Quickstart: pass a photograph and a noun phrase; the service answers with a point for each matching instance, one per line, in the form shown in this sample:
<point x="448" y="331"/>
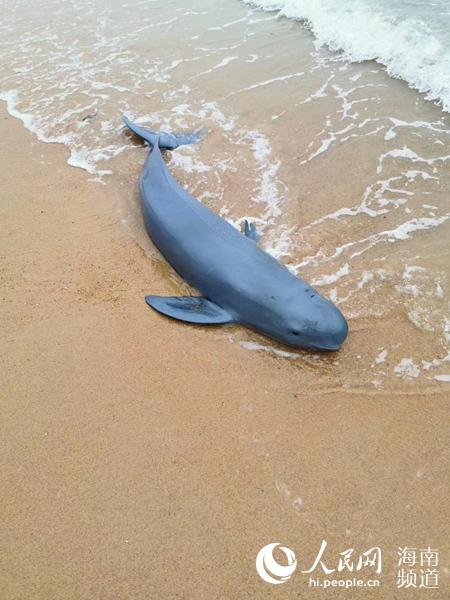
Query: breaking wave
<point x="411" y="38"/>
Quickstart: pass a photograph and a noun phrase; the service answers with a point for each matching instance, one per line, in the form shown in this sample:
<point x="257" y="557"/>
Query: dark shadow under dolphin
<point x="239" y="282"/>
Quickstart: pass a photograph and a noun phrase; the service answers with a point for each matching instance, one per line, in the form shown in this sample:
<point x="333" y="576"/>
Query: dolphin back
<point x="166" y="141"/>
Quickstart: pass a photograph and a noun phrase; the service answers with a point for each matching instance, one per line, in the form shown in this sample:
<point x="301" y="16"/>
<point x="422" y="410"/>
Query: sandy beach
<point x="142" y="458"/>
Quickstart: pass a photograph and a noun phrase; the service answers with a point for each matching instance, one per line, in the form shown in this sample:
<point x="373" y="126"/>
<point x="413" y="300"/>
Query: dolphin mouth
<point x="330" y="345"/>
<point x="326" y="347"/>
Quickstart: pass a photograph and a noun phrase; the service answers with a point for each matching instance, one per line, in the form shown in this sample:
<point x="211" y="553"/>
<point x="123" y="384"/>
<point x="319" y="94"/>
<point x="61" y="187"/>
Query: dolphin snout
<point x="334" y="330"/>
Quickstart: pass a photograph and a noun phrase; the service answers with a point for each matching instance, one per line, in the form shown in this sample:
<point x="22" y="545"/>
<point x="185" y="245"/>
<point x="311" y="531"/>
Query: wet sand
<point x="144" y="459"/>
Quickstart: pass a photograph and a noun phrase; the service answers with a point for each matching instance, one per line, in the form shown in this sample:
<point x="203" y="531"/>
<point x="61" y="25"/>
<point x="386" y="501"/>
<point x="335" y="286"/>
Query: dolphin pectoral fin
<point x="192" y="309"/>
<point x="250" y="231"/>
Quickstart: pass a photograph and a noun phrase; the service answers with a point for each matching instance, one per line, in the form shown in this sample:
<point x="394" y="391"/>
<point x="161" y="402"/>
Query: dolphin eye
<point x="295" y="332"/>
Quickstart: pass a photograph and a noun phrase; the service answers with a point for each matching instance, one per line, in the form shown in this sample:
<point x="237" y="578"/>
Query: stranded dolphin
<point x="239" y="282"/>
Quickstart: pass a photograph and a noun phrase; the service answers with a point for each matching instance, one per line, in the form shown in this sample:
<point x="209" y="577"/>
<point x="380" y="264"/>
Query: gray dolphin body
<point x="239" y="282"/>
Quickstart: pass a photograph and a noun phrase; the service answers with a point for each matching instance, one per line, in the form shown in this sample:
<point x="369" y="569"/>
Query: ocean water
<point x="343" y="168"/>
<point x="410" y="37"/>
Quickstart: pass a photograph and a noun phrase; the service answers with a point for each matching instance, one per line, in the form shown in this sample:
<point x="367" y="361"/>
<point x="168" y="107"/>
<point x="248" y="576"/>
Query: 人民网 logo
<point x="269" y="569"/>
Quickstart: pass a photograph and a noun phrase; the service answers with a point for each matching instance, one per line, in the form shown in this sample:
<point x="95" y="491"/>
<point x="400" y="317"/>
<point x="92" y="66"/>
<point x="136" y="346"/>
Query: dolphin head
<point x="321" y="327"/>
<point x="303" y="318"/>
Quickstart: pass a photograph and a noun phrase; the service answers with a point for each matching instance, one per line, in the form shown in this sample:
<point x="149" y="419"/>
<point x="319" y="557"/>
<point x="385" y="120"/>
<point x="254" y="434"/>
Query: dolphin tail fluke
<point x="168" y="141"/>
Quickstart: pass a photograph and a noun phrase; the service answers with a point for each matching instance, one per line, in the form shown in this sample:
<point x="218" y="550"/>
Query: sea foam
<point x="411" y="40"/>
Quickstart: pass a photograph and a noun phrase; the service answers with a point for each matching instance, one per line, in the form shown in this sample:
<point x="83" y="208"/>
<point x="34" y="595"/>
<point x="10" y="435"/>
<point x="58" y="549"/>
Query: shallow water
<point x="344" y="170"/>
